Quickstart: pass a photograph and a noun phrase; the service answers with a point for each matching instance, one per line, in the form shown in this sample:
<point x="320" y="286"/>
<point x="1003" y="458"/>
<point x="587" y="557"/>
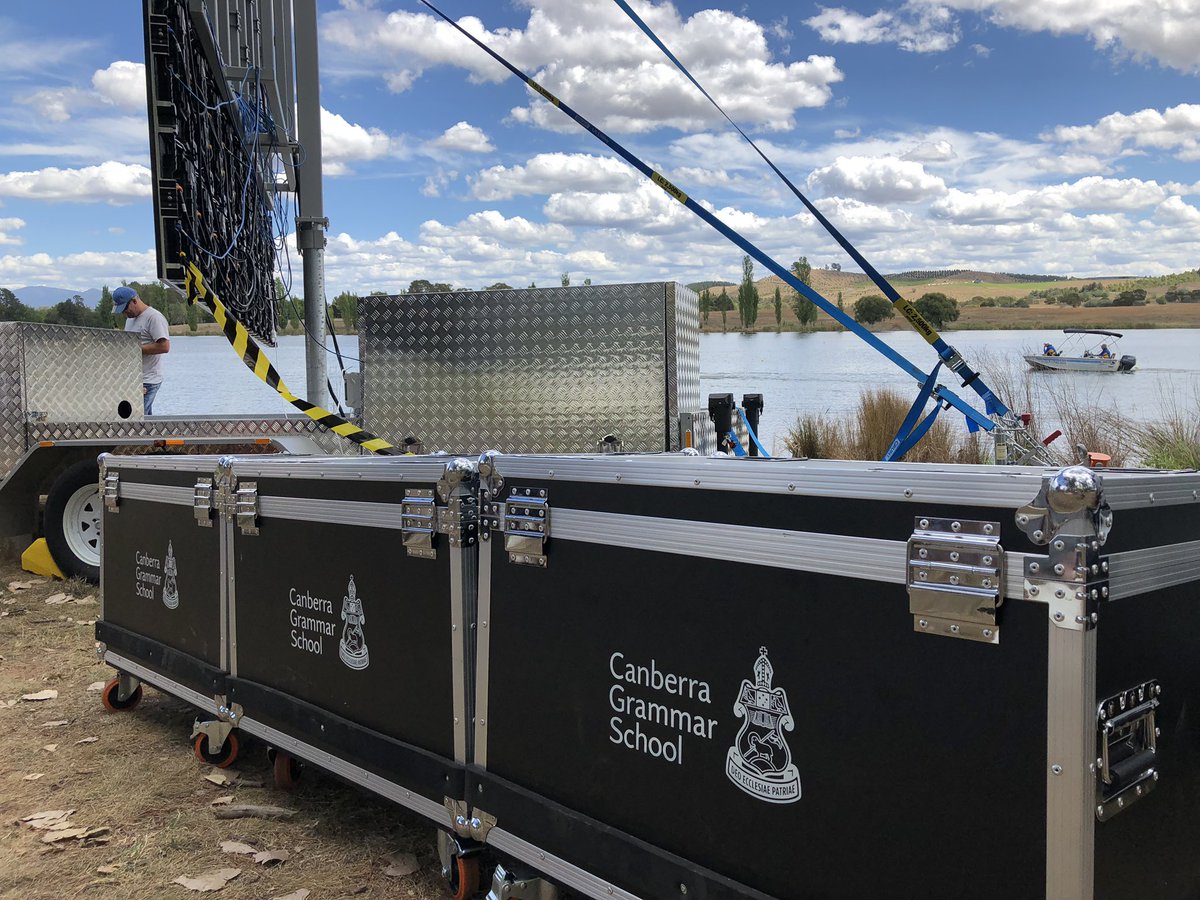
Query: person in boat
<point x="1105" y="353"/>
<point x="1048" y="350"/>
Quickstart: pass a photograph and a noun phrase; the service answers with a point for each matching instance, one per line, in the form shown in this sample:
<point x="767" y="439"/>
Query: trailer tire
<point x="286" y="770"/>
<point x="464" y="880"/>
<point x="72" y="520"/>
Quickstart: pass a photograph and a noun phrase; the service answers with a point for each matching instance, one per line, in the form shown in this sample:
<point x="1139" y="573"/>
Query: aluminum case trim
<point x="558" y="869"/>
<point x="482" y="652"/>
<point x="1142" y="571"/>
<point x="416" y="802"/>
<point x="195" y="698"/>
<point x="333" y="512"/>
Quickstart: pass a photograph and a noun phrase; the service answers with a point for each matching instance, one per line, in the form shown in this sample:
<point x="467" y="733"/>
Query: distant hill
<point x="40" y="295"/>
<point x="699" y="286"/>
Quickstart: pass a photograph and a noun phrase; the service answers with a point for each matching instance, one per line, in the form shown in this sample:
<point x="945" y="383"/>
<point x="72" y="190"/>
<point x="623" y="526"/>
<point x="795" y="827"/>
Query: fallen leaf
<point x="65" y="834"/>
<point x="216" y="776"/>
<point x="20" y="585"/>
<point x="50" y="748"/>
<point x="55" y="599"/>
<point x="271" y="857"/>
<point x="401" y="864"/>
<point x="253" y="812"/>
<point x="95" y="832"/>
<point x="8" y="704"/>
<point x="96" y="686"/>
<point x="209" y="881"/>
<point x="301" y="894"/>
<point x="48" y="818"/>
<point x="87" y="740"/>
<point x="34" y="776"/>
<point x="41" y="695"/>
<point x="54" y="724"/>
<point x="88" y="599"/>
<point x="222" y="801"/>
<point x="108" y="870"/>
<point x="243" y="781"/>
<point x="236" y="847"/>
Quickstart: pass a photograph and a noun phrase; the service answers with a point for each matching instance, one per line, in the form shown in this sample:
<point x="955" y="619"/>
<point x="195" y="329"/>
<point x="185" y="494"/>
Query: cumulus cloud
<point x="1087" y="194"/>
<point x="7" y="227"/>
<point x="463" y="138"/>
<point x="1164" y="30"/>
<point x="1175" y="129"/>
<point x="550" y="173"/>
<point x="343" y="142"/>
<point x="622" y="82"/>
<point x="438" y="182"/>
<point x="110" y="182"/>
<point x="876" y="180"/>
<point x="122" y="84"/>
<point x="919" y="27"/>
<point x="78" y="268"/>
<point x="490" y="225"/>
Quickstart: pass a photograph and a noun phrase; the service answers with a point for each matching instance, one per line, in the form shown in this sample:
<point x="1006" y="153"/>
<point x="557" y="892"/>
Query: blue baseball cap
<point x="121" y="297"/>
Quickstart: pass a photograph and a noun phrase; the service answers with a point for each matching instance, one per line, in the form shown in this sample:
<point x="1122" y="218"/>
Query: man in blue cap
<point x="151" y="327"/>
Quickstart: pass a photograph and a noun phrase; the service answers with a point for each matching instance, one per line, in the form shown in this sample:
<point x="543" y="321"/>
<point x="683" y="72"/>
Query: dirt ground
<point x="132" y="778"/>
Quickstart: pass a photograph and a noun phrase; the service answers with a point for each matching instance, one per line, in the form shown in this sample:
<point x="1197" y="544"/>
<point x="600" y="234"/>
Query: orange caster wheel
<point x="287" y="770"/>
<point x="224" y="758"/>
<point x="110" y="697"/>
<point x="463" y="880"/>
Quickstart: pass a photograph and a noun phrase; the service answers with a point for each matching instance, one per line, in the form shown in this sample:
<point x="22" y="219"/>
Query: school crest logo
<point x="170" y="593"/>
<point x="353" y="647"/>
<point x="760" y="762"/>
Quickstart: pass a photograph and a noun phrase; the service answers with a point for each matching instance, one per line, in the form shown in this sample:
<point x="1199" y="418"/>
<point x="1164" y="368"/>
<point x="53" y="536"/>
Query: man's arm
<point x="162" y="345"/>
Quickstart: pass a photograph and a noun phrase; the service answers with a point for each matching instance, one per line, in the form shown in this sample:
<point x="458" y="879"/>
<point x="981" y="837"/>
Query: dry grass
<point x="1173" y="443"/>
<point x="139" y="778"/>
<point x="869" y="433"/>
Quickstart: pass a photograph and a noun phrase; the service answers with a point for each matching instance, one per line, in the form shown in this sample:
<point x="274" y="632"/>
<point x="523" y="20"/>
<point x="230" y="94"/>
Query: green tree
<point x="71" y="312"/>
<point x="499" y="286"/>
<point x="1135" y="297"/>
<point x="778" y="308"/>
<point x="938" y="309"/>
<point x="1070" y="298"/>
<point x="566" y="279"/>
<point x="13" y="310"/>
<point x="805" y="309"/>
<point x="587" y="281"/>
<point x="193" y="317"/>
<point x="345" y="307"/>
<point x="724" y="305"/>
<point x="747" y="295"/>
<point x="104" y="313"/>
<point x="421" y="286"/>
<point x="706" y="304"/>
<point x="871" y="309"/>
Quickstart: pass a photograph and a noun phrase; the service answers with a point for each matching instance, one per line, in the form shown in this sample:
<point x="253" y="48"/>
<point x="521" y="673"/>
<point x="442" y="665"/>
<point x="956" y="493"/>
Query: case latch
<point x="1127" y="748"/>
<point x="459" y="520"/>
<point x="955" y="576"/>
<point x="525" y="520"/>
<point x="245" y="507"/>
<point x="418" y="523"/>
<point x="112" y="489"/>
<point x="202" y="502"/>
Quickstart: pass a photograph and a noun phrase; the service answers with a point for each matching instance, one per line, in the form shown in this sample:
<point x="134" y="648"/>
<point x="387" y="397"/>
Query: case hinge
<point x="112" y="490"/>
<point x="459" y="520"/>
<point x="418" y="523"/>
<point x="525" y="520"/>
<point x="954" y="578"/>
<point x="202" y="502"/>
<point x="245" y="507"/>
<point x="1127" y="748"/>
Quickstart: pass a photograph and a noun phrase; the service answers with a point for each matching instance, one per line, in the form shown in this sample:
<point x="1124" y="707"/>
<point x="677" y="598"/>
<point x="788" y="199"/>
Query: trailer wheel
<point x="286" y="769"/>
<point x="222" y="759"/>
<point x="72" y="520"/>
<point x="463" y="880"/>
<point x="111" y="699"/>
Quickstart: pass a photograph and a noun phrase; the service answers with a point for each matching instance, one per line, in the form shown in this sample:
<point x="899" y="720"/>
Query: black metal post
<point x="720" y="411"/>
<point x="753" y="405"/>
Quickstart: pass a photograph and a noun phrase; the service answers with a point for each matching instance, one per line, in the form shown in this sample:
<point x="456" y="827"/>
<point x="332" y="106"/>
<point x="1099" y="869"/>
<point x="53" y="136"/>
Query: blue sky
<point x="1011" y="135"/>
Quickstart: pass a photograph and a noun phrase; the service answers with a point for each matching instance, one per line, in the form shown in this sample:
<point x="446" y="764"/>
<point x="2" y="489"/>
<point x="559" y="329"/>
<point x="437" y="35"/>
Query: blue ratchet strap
<point x="738" y="449"/>
<point x="725" y="231"/>
<point x="754" y="437"/>
<point x="910" y="431"/>
<point x="919" y="322"/>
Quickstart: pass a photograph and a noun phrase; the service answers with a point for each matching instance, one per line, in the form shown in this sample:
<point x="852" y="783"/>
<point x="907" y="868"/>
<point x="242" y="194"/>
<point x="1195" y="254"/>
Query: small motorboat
<point x="1083" y="350"/>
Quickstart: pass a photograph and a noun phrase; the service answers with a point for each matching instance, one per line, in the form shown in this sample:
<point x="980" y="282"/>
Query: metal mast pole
<point x="311" y="222"/>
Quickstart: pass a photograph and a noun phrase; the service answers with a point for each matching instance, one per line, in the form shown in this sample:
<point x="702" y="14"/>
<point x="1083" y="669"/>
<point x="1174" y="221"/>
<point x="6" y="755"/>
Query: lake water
<point x="823" y="372"/>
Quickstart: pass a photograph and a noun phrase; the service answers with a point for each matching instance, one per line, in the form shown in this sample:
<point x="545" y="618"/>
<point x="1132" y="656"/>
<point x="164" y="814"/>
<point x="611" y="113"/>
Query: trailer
<point x="658" y="675"/>
<point x="72" y="393"/>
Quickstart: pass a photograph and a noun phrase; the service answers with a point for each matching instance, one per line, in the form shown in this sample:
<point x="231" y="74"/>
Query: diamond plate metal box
<point x="542" y="370"/>
<point x="60" y="373"/>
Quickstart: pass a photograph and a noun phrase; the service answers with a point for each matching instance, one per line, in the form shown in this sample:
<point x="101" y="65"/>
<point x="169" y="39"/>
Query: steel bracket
<point x="525" y="520"/>
<point x="216" y="730"/>
<point x="1127" y="737"/>
<point x="459" y="816"/>
<point x="419" y="523"/>
<point x="245" y="507"/>
<point x="480" y="824"/>
<point x="508" y="885"/>
<point x="954" y="578"/>
<point x="202" y="502"/>
<point x="459" y="520"/>
<point x="111" y="489"/>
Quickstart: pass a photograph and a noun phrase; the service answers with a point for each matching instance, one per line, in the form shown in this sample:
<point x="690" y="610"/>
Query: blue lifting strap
<point x="911" y="430"/>
<point x="754" y="437"/>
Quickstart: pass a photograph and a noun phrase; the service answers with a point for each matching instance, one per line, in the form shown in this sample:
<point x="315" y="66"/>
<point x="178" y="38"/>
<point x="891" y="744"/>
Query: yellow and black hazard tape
<point x="256" y="361"/>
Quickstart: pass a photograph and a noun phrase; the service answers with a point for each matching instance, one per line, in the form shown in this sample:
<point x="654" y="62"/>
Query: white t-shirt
<point x="151" y="326"/>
